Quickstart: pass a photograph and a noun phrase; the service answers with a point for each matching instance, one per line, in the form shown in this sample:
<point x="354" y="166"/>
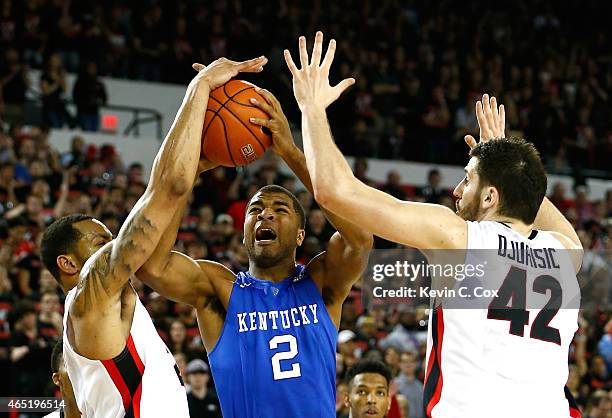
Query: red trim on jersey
<point x="126" y="373"/>
<point x="438" y="347"/>
<point x="117" y="379"/>
<point x="132" y="348"/>
<point x="575" y="413"/>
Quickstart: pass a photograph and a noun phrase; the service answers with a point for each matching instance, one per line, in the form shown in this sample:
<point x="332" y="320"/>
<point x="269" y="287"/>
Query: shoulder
<point x="575" y="249"/>
<point x="216" y="270"/>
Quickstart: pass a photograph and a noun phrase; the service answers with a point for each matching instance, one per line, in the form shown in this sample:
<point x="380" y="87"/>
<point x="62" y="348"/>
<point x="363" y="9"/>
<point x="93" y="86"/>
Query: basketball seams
<point x="229" y="150"/>
<point x="239" y="120"/>
<point x="231" y="97"/>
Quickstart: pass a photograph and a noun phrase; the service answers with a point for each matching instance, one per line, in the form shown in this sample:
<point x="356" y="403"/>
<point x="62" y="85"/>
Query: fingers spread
<point x="344" y="84"/>
<point x="502" y="119"/>
<point x="290" y="62"/>
<point x="317" y="50"/>
<point x="303" y="52"/>
<point x="470" y="141"/>
<point x="329" y="55"/>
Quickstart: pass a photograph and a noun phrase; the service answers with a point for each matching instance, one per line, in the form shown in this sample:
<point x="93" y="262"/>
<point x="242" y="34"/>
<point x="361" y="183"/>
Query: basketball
<point x="228" y="138"/>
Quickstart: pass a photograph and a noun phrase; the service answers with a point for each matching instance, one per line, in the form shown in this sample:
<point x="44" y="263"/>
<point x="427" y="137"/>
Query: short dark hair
<point x="60" y="238"/>
<point x="56" y="355"/>
<point x="297" y="206"/>
<point x="513" y="166"/>
<point x="369" y="366"/>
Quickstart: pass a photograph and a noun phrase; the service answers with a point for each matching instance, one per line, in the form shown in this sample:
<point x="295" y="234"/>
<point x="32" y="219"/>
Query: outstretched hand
<point x="491" y="120"/>
<point x="222" y="70"/>
<point x="311" y="82"/>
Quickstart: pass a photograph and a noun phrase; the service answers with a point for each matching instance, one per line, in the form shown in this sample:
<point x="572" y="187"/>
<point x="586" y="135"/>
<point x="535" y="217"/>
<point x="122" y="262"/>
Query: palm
<point x="491" y="121"/>
<point x="311" y="82"/>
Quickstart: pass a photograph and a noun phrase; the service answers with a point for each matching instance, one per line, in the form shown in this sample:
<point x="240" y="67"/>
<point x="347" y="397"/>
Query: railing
<point x="151" y="115"/>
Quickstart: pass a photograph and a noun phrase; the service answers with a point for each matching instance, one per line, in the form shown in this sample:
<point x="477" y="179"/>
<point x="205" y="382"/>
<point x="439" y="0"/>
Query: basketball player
<point x="481" y="362"/>
<point x="62" y="381"/>
<point x="368" y="390"/>
<point x="117" y="363"/>
<point x="271" y="331"/>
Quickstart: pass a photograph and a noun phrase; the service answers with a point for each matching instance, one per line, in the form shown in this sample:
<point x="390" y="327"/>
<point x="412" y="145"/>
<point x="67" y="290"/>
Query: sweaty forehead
<point x="269" y="198"/>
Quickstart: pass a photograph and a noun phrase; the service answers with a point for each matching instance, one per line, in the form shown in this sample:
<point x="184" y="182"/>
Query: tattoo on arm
<point x="133" y="246"/>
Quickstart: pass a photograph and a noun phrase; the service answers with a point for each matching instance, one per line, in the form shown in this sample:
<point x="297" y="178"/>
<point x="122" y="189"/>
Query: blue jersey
<point x="276" y="357"/>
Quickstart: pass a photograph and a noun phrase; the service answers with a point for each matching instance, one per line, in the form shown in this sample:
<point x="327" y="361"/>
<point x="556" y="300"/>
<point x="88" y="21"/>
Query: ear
<point x="490" y="197"/>
<point x="56" y="379"/>
<point x="300" y="237"/>
<point x="347" y="400"/>
<point x="67" y="265"/>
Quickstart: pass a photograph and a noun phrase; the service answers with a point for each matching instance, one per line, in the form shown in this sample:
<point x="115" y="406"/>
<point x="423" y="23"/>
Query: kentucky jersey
<point x="276" y="356"/>
<point x="505" y="355"/>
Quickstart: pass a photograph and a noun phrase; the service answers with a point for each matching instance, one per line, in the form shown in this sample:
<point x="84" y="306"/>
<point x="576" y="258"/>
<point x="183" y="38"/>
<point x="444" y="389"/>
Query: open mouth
<point x="264" y="234"/>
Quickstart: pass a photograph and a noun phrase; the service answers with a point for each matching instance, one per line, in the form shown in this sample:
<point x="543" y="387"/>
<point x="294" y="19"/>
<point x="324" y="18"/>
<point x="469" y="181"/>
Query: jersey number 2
<point x="285" y="355"/>
<point x="513" y="290"/>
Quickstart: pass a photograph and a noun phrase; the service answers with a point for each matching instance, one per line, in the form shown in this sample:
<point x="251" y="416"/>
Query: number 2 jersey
<point x="505" y="355"/>
<point x="276" y="356"/>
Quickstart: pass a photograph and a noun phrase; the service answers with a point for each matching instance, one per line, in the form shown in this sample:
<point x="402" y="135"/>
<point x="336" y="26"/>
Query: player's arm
<point x="348" y="249"/>
<point x="492" y="123"/>
<point x="174" y="169"/>
<point x="177" y="276"/>
<point x="419" y="225"/>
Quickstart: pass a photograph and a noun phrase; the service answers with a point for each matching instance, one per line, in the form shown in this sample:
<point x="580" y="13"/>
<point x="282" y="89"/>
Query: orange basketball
<point x="228" y="137"/>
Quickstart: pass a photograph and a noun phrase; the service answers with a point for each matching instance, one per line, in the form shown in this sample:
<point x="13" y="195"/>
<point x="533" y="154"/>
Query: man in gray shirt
<point x="408" y="384"/>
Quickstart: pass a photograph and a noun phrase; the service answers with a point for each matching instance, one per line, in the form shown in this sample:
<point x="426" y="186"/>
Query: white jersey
<point x="142" y="381"/>
<point x="55" y="414"/>
<point x="490" y="361"/>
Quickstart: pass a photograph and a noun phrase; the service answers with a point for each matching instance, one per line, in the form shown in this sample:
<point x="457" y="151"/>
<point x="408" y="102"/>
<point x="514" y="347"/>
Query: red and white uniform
<point x="513" y="363"/>
<point x="142" y="381"/>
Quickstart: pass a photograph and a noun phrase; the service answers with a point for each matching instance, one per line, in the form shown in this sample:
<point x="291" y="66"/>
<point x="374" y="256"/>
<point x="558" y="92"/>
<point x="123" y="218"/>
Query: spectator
<point x="29" y="353"/>
<point x="201" y="398"/>
<point x="89" y="95"/>
<point x="408" y="384"/>
<point x="13" y="86"/>
<point x="50" y="319"/>
<point x="433" y="192"/>
<point x="53" y="88"/>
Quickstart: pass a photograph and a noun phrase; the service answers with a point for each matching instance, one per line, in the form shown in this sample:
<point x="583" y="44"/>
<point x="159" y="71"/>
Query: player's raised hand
<point x="311" y="82"/>
<point x="491" y="120"/>
<point x="222" y="70"/>
<point x="282" y="140"/>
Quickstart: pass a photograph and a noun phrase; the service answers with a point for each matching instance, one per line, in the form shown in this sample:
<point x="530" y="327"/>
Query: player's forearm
<point x="176" y="162"/>
<point x="328" y="169"/>
<point x="549" y="218"/>
<point x="354" y="237"/>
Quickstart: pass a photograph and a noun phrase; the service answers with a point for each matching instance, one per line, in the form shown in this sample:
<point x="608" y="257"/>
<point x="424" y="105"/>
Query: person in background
<point x="89" y="94"/>
<point x="60" y="378"/>
<point x="408" y="385"/>
<point x="368" y="395"/>
<point x="202" y="400"/>
<point x="53" y="88"/>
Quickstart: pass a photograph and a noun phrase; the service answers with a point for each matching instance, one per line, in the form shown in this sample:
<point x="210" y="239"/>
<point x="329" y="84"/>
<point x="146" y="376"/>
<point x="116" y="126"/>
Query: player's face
<point x="94" y="235"/>
<point x="369" y="396"/>
<point x="271" y="229"/>
<point x="468" y="193"/>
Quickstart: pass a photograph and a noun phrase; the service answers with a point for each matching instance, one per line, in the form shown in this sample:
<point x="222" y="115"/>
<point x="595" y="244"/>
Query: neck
<point x="519" y="226"/>
<point x="275" y="273"/>
<point x="199" y="392"/>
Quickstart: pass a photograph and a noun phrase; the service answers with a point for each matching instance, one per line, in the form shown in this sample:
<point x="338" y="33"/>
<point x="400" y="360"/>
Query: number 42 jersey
<point x="275" y="357"/>
<point x="502" y="349"/>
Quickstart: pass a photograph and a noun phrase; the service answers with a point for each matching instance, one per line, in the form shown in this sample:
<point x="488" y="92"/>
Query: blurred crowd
<point x="419" y="68"/>
<point x="37" y="185"/>
<point x="419" y="65"/>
